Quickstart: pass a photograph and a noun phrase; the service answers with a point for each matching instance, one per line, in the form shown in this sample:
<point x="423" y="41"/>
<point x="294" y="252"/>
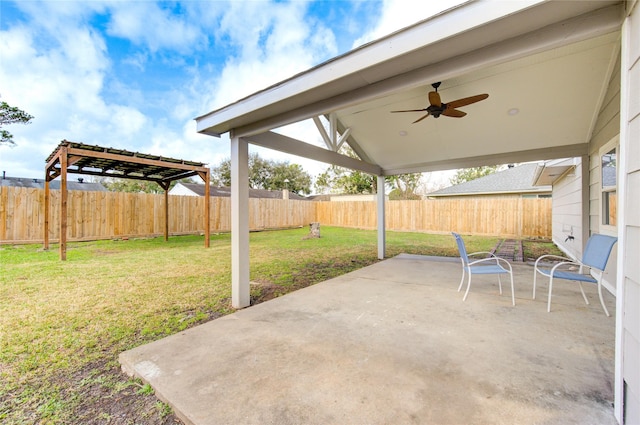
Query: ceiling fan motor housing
<point x="435" y="111"/>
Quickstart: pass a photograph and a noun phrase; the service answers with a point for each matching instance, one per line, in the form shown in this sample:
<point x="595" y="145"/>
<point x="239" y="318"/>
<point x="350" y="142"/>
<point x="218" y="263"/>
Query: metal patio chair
<point x="596" y="254"/>
<point x="487" y="265"/>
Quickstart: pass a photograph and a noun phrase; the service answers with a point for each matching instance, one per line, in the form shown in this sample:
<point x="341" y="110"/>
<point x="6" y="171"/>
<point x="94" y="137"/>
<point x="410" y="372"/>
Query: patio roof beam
<point x="552" y="152"/>
<point x="293" y="146"/>
<point x="352" y="142"/>
<point x="322" y="131"/>
<point x="339" y="134"/>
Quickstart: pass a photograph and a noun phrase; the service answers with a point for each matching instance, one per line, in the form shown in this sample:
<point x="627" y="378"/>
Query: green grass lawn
<point x="63" y="324"/>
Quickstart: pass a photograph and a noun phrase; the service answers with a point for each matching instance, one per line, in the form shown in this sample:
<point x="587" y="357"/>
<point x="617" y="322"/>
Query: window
<point x="609" y="180"/>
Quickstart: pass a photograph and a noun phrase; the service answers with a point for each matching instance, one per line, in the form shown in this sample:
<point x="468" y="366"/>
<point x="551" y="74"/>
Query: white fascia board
<point x="297" y="147"/>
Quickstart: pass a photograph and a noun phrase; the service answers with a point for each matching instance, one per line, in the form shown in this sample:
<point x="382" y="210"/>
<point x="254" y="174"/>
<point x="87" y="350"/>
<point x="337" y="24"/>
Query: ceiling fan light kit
<point x="437" y="107"/>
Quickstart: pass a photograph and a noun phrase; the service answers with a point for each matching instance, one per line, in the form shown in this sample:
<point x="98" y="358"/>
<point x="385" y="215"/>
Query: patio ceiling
<point x="545" y="65"/>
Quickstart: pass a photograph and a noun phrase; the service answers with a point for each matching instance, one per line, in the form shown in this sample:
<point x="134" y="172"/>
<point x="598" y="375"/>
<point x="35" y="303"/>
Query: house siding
<point x="567" y="213"/>
<point x="606" y="128"/>
<point x="630" y="232"/>
<point x="568" y="199"/>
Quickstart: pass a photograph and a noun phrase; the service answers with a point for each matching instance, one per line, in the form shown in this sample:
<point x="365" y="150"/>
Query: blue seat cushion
<point x="491" y="269"/>
<point x="562" y="274"/>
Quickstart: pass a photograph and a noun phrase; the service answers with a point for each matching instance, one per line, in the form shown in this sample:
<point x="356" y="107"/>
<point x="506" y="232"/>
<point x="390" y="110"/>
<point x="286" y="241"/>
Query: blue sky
<point x="134" y="74"/>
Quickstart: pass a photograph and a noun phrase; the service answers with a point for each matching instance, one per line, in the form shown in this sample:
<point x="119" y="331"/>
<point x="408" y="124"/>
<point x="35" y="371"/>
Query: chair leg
<point x="549" y="300"/>
<point x="601" y="300"/>
<point x="535" y="275"/>
<point x="468" y="287"/>
<point x="513" y="295"/>
<point x="461" y="280"/>
<point x="500" y="284"/>
<point x="583" y="295"/>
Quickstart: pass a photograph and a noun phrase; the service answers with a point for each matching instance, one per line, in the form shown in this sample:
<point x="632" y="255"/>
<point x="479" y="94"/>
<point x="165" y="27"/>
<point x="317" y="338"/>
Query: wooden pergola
<point x="79" y="158"/>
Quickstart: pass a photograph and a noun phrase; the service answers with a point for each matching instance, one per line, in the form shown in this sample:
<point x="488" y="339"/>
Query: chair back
<point x="461" y="248"/>
<point x="596" y="253"/>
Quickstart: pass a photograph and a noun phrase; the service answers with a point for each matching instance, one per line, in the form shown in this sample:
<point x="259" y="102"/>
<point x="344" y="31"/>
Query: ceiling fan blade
<point x="411" y="110"/>
<point x="453" y="113"/>
<point x="434" y="98"/>
<point x="421" y="118"/>
<point x="466" y="101"/>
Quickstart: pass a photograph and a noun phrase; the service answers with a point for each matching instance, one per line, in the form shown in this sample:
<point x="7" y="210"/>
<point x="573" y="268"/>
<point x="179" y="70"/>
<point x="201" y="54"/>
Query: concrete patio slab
<point x="394" y="343"/>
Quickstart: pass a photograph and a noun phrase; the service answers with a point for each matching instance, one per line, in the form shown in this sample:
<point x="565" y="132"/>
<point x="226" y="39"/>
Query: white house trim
<point x="627" y="376"/>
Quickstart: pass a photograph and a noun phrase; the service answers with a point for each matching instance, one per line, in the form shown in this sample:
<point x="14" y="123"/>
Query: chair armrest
<point x="557" y="257"/>
<point x="481" y="252"/>
<point x="495" y="259"/>
<point x="568" y="263"/>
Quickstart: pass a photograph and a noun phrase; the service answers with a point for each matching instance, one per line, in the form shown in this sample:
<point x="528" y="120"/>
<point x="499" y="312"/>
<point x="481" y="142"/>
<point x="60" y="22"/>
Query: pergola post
<point x="64" y="158"/>
<point x="207" y="208"/>
<point x="47" y="194"/>
<point x="165" y="186"/>
<point x="382" y="243"/>
<point x="239" y="222"/>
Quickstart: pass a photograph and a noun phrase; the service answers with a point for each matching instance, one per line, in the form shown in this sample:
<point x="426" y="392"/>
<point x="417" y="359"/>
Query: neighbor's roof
<point x="518" y="179"/>
<point x="55" y="185"/>
<point x="225" y="191"/>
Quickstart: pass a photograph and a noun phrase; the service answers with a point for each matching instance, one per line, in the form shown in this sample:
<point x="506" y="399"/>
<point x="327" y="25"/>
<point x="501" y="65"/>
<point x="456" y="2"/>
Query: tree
<point x="266" y="174"/>
<point x="11" y="115"/>
<point x="337" y="179"/>
<point x="343" y="180"/>
<point x="404" y="186"/>
<point x="468" y="174"/>
<point x="291" y="177"/>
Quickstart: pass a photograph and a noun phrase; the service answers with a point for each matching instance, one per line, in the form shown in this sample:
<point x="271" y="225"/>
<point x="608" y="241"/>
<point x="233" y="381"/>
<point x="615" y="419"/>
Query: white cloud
<point x="154" y="25"/>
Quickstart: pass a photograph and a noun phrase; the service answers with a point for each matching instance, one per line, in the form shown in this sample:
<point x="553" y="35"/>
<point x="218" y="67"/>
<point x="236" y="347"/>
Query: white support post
<point x="239" y="222"/>
<point x="382" y="243"/>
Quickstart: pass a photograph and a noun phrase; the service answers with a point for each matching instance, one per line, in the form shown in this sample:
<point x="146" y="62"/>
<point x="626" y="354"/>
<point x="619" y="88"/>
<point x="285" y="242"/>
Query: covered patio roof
<point x="545" y="66"/>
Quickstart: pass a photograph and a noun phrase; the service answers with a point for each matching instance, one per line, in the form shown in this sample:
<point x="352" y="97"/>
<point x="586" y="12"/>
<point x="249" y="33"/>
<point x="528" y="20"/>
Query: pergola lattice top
<point x="111" y="162"/>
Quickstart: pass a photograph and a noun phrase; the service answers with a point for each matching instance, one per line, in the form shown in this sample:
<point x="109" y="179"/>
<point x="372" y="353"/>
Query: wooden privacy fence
<point x="512" y="217"/>
<point x="102" y="215"/>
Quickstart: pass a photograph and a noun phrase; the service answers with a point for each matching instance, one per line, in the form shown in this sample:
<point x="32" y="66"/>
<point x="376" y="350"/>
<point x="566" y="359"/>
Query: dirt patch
<point x="104" y="395"/>
<point x="307" y="274"/>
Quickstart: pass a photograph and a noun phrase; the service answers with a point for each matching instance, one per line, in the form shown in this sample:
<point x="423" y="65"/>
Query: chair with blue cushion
<point x="487" y="265"/>
<point x="596" y="255"/>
